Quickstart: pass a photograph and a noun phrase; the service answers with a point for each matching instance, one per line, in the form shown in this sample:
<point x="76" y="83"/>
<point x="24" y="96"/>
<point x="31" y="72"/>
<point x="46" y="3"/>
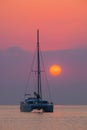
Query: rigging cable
<point x="29" y="75"/>
<point x="46" y="77"/>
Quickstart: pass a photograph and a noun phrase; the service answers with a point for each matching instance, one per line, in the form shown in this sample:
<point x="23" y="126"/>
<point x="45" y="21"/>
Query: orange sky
<point x="62" y="24"/>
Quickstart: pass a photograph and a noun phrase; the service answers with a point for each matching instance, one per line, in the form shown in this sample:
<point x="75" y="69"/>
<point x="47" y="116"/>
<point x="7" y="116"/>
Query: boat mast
<point x="38" y="67"/>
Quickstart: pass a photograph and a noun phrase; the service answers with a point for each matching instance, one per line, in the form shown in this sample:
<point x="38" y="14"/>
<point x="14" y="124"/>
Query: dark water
<point x="63" y="118"/>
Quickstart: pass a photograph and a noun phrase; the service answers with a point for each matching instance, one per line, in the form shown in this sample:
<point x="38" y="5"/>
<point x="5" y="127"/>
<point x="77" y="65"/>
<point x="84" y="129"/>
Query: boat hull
<point x="26" y="107"/>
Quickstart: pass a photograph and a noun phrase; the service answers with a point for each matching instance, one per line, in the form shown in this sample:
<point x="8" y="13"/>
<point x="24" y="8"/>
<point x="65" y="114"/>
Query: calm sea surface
<point x="63" y="118"/>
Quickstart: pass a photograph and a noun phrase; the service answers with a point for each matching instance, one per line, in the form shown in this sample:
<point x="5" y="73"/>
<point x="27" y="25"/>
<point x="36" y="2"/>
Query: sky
<point x="69" y="88"/>
<point x="63" y="41"/>
<point x="62" y="24"/>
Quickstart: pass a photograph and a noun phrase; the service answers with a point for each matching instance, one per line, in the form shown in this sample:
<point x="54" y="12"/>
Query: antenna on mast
<point x="38" y="36"/>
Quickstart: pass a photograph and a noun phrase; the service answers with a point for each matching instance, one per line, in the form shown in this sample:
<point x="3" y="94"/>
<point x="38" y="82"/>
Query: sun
<point x="55" y="70"/>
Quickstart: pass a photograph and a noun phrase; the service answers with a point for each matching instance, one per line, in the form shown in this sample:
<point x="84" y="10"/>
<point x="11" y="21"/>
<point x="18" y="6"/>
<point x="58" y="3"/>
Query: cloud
<point x="69" y="88"/>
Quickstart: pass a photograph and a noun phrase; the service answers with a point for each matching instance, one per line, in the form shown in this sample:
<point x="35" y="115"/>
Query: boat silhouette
<point x="36" y="101"/>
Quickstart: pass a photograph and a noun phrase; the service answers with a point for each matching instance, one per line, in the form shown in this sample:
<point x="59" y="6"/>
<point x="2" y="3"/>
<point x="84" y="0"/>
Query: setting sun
<point x="55" y="70"/>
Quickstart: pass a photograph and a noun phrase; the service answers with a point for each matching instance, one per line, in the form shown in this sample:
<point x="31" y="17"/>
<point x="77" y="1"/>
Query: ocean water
<point x="63" y="118"/>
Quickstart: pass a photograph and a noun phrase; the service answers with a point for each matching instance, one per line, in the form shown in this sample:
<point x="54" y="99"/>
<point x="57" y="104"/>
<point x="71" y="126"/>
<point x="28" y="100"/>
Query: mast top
<point x="37" y="36"/>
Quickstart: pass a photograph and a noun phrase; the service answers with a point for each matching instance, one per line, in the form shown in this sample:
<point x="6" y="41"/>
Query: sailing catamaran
<point x="36" y="102"/>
